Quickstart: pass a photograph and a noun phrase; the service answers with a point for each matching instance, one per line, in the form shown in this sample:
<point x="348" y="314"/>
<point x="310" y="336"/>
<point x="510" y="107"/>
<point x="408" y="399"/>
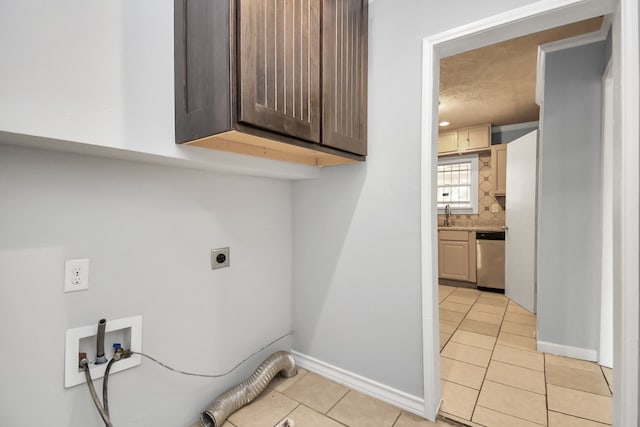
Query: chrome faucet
<point x="447" y="215"/>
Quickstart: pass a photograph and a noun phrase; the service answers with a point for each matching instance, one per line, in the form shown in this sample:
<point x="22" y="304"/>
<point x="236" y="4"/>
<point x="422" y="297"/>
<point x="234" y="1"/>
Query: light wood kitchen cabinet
<point x="466" y="140"/>
<point x="457" y="255"/>
<point x="448" y="142"/>
<point x="282" y="80"/>
<point x="499" y="169"/>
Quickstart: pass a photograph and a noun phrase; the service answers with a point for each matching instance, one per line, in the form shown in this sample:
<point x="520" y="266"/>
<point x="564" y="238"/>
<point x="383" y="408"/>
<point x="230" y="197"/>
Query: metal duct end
<point x="244" y="393"/>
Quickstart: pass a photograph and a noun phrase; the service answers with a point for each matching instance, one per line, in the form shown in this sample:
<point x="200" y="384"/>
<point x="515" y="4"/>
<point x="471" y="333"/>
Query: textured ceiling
<point x="496" y="84"/>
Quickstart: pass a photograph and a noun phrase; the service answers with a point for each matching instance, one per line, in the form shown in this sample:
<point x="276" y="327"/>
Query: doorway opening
<point x="520" y="22"/>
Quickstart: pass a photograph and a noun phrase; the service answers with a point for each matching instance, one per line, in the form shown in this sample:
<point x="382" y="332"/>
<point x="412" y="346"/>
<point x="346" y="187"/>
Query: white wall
<point x="357" y="228"/>
<point x="100" y="74"/>
<point x="148" y="232"/>
<point x="569" y="203"/>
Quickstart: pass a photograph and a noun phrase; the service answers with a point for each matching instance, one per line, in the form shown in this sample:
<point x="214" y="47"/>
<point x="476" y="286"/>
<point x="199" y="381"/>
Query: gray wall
<point x="504" y="137"/>
<point x="147" y="231"/>
<point x="569" y="198"/>
<point x="357" y="273"/>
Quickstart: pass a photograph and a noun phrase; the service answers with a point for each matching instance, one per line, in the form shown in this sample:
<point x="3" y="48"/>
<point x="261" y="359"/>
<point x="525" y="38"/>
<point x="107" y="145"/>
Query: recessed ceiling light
<point x="443" y="124"/>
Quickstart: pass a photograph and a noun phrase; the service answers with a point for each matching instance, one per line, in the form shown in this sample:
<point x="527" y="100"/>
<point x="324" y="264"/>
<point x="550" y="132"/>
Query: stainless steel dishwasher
<point x="490" y="260"/>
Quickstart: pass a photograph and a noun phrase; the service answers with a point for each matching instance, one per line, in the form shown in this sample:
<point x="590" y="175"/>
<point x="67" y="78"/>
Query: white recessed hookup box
<point x="127" y="331"/>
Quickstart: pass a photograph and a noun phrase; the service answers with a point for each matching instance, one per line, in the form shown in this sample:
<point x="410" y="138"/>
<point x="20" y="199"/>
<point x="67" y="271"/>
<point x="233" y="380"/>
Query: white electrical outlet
<point x="76" y="275"/>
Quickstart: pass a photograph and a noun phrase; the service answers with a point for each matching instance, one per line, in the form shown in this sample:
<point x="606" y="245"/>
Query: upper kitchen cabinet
<point x="344" y="75"/>
<point x="466" y="140"/>
<point x="499" y="169"/>
<point x="285" y="80"/>
<point x="448" y="142"/>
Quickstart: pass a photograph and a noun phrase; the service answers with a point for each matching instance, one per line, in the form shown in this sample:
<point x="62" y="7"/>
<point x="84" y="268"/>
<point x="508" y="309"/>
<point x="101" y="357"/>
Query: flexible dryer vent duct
<point x="245" y="392"/>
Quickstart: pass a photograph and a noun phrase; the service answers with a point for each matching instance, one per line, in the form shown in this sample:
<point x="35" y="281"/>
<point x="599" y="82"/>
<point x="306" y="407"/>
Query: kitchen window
<point x="457" y="184"/>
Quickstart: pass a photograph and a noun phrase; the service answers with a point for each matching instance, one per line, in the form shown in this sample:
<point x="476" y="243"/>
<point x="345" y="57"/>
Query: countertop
<point x="471" y="227"/>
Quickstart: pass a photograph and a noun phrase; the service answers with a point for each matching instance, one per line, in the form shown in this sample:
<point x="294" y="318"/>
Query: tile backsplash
<point x="485" y="200"/>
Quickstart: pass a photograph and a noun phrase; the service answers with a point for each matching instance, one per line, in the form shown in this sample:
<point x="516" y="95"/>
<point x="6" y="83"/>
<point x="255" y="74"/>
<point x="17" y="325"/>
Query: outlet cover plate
<point x="76" y="275"/>
<point x="217" y="255"/>
<point x="73" y="375"/>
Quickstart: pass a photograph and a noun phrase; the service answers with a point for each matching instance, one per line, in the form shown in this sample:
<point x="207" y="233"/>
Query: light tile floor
<point x="493" y="376"/>
<point x="309" y="400"/>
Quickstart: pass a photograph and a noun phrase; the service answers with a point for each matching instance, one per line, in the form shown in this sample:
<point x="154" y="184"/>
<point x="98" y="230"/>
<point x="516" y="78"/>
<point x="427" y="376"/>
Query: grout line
<point x="513" y="416"/>
<point x="397" y="418"/>
<point x="546" y="392"/>
<point x="339" y="400"/>
<point x="289" y="413"/>
<point x="579" y="417"/>
<point x="580" y="391"/>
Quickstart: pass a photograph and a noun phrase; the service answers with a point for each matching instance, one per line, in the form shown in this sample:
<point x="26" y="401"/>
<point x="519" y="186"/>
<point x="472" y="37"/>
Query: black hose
<point x="105" y="387"/>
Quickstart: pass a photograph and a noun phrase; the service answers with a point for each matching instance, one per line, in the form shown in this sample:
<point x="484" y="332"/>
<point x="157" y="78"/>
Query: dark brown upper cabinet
<point x="283" y="79"/>
<point x="344" y="75"/>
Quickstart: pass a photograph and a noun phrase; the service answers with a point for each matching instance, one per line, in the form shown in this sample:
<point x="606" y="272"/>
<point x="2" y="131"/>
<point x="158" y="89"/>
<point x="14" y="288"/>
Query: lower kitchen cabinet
<point x="457" y="255"/>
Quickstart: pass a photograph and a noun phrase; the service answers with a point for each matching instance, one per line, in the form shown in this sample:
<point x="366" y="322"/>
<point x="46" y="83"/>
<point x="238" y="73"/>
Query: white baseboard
<point x="568" y="351"/>
<point x="387" y="394"/>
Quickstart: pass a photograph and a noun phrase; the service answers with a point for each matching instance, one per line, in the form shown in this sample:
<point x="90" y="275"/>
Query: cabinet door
<point x="279" y="66"/>
<point x="476" y="138"/>
<point x="344" y="75"/>
<point x="202" y="68"/>
<point x="499" y="169"/>
<point x="453" y="261"/>
<point x="448" y="142"/>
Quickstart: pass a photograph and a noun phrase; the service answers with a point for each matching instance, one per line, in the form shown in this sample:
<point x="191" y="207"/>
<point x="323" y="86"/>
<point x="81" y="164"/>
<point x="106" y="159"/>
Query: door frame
<point x="518" y="22"/>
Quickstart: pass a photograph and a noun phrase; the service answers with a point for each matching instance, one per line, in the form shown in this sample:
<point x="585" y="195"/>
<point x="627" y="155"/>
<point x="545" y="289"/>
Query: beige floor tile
<point x="461" y="373"/>
<point x="280" y="383"/>
<point x="409" y="420"/>
<point x="455" y="306"/>
<point x="523" y="358"/>
<point x="444" y="289"/>
<point x="466" y="353"/>
<point x="578" y="403"/>
<point x="479" y="327"/>
<point x="494" y="295"/>
<point x="577" y="379"/>
<point x="519" y="329"/>
<point x="552" y="359"/>
<point x="513" y="401"/>
<point x="461" y="299"/>
<point x="515" y="308"/>
<point x="608" y="374"/>
<point x="359" y="410"/>
<point x="458" y="400"/>
<point x="527" y="319"/>
<point x="517" y="341"/>
<point x="488" y="308"/>
<point x="516" y="376"/>
<point x="473" y="339"/>
<point x="307" y="417"/>
<point x="492" y="301"/>
<point x="468" y="292"/>
<point x="448" y="327"/>
<point x="491" y="418"/>
<point x="264" y="411"/>
<point x="444" y="338"/>
<point x="485" y="317"/>
<point x="451" y="316"/>
<point x="316" y="392"/>
<point x="557" y="419"/>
